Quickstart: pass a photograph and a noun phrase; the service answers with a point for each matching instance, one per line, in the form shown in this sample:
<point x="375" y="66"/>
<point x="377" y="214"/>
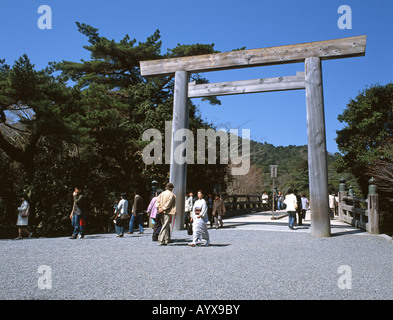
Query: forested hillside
<point x="292" y="167"/>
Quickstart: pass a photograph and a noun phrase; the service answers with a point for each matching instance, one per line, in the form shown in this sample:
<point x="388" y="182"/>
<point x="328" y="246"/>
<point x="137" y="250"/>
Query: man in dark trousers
<point x="78" y="214"/>
<point x="299" y="207"/>
<point x="137" y="213"/>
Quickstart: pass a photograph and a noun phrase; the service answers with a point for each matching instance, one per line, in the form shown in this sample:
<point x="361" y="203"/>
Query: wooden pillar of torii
<point x="311" y="54"/>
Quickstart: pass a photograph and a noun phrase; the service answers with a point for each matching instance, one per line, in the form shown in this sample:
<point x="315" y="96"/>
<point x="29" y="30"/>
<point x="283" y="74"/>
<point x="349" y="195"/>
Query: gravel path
<point x="248" y="260"/>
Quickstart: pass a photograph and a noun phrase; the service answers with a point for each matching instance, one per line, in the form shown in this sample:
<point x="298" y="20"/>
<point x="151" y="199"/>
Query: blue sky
<point x="278" y="118"/>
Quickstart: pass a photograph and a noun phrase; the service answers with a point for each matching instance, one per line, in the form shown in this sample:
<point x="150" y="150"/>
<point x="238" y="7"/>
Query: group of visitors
<point x="77" y="216"/>
<point x="122" y="219"/>
<point x="215" y="209"/>
<point x="278" y="201"/>
<point x="162" y="210"/>
<point x="161" y="207"/>
<point x="296" y="204"/>
<point x="293" y="203"/>
<point x="199" y="212"/>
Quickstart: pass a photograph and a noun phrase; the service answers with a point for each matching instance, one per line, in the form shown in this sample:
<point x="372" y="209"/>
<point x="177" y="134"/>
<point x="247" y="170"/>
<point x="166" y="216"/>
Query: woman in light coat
<point x="199" y="218"/>
<point x="154" y="215"/>
<point x="291" y="202"/>
<point x="23" y="218"/>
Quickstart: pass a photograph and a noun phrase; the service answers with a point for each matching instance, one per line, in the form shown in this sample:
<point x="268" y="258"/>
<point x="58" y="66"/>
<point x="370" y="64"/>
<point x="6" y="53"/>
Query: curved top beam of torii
<point x="326" y="50"/>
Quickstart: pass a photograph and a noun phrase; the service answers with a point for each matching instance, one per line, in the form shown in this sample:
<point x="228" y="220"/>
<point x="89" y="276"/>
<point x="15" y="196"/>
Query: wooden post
<point x="317" y="161"/>
<point x="373" y="214"/>
<point x="273" y="196"/>
<point x="178" y="172"/>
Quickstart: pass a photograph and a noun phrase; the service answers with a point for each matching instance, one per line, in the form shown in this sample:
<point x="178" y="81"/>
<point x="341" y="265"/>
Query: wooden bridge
<point x="359" y="213"/>
<point x="241" y="204"/>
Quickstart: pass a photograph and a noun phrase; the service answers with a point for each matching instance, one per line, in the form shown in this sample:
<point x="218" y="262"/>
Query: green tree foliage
<point x="367" y="144"/>
<point x="292" y="164"/>
<point x="368" y="132"/>
<point x="33" y="104"/>
<point x="134" y="104"/>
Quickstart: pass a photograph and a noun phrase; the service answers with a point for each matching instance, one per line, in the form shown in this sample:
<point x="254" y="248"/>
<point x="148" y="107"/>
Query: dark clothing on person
<point x="218" y="211"/>
<point x="79" y="215"/>
<point x="299" y="210"/>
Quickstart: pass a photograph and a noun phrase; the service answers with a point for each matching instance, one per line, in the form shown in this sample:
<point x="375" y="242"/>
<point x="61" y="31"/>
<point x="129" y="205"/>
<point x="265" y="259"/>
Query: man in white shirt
<point x="265" y="199"/>
<point x="188" y="208"/>
<point x="291" y="202"/>
<point x="332" y="205"/>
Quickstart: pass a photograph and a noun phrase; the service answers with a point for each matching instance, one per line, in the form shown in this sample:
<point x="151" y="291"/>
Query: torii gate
<point x="312" y="54"/>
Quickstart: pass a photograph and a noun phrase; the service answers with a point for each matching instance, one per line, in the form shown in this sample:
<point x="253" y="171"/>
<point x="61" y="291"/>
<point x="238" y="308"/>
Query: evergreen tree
<point x="134" y="104"/>
<point x="368" y="133"/>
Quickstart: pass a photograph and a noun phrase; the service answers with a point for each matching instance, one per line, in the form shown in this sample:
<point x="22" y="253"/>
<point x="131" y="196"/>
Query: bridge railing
<point x="240" y="204"/>
<point x="360" y="213"/>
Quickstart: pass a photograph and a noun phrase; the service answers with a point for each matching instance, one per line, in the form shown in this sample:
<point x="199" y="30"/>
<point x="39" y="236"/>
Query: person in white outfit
<point x="188" y="207"/>
<point x="332" y="205"/>
<point x="291" y="202"/>
<point x="265" y="201"/>
<point x="23" y="218"/>
<point x="199" y="218"/>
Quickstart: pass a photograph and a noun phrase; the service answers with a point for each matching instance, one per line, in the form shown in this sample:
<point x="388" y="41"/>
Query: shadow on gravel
<point x="95" y="236"/>
<point x="233" y="225"/>
<point x="346" y="233"/>
<point x="185" y="242"/>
